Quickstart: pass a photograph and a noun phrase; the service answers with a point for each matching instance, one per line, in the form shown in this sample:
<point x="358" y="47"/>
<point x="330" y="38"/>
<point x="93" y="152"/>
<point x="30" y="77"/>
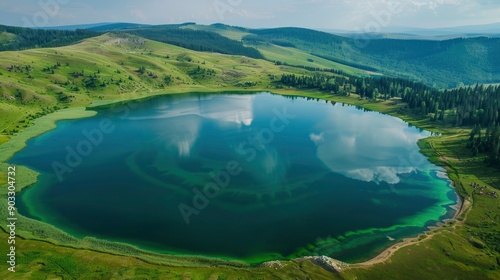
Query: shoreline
<point x="432" y="230"/>
<point x="49" y="122"/>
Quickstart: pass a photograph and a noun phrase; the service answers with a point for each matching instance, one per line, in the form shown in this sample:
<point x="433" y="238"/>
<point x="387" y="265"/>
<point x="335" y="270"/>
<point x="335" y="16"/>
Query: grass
<point x="444" y="255"/>
<point x="47" y="252"/>
<point x="42" y="260"/>
<point x="6" y="38"/>
<point x="272" y="52"/>
<point x="449" y="253"/>
<point x="27" y="92"/>
<point x="227" y="31"/>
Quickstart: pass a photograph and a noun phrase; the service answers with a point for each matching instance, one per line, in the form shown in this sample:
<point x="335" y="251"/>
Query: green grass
<point x="445" y="255"/>
<point x="448" y="253"/>
<point x="447" y="63"/>
<point x="42" y="260"/>
<point x="6" y="38"/>
<point x="272" y="52"/>
<point x="293" y="56"/>
<point x="227" y="31"/>
<point x="24" y="93"/>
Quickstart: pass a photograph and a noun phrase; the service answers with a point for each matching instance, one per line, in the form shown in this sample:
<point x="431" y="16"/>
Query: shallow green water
<point x="253" y="177"/>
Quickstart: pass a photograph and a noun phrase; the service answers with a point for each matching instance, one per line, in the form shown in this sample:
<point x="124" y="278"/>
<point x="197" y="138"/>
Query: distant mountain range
<point x="443" y="57"/>
<point x="493" y="28"/>
<point x="103" y="26"/>
<point x="442" y="32"/>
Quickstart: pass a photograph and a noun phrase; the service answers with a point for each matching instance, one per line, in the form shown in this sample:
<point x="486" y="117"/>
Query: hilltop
<point x="133" y="63"/>
<point x="437" y="62"/>
<point x="117" y="66"/>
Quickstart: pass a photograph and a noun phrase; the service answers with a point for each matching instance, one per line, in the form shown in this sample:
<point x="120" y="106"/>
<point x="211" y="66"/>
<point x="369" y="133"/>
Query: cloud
<point x="138" y="14"/>
<point x="338" y="14"/>
<point x="368" y="149"/>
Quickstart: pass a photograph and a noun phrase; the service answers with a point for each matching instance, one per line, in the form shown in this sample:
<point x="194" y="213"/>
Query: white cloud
<point x="363" y="148"/>
<point x="138" y="14"/>
<point x="339" y="14"/>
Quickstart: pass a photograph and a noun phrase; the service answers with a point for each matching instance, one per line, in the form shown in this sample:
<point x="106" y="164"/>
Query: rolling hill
<point x="133" y="63"/>
<point x="443" y="63"/>
<point x="117" y="66"/>
<point x="447" y="63"/>
<point x="19" y="38"/>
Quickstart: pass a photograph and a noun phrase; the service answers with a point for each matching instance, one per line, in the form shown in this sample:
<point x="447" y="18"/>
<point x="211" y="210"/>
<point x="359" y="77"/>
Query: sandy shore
<point x="387" y="253"/>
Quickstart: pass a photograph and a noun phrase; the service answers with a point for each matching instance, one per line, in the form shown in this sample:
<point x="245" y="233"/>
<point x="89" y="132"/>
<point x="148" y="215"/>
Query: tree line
<point x="27" y="38"/>
<point x="197" y="40"/>
<point x="476" y="107"/>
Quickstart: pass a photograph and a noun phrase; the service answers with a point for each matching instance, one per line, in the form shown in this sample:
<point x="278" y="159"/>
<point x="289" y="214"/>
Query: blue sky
<point x="322" y="14"/>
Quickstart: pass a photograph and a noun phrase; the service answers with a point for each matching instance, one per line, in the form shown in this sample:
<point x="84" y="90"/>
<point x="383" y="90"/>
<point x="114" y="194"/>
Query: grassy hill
<point x="446" y="63"/>
<point x="272" y="51"/>
<point x="19" y="38"/>
<point x="198" y="40"/>
<point x="120" y="66"/>
<point x="440" y="63"/>
<point x="116" y="66"/>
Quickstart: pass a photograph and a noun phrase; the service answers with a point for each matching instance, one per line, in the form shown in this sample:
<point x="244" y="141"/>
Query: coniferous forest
<point x="27" y="38"/>
<point x="197" y="40"/>
<point x="475" y="106"/>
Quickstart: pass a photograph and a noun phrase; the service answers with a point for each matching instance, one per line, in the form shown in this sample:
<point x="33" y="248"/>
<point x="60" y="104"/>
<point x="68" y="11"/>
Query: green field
<point x="37" y="82"/>
<point x="227" y="31"/>
<point x="30" y="102"/>
<point x="272" y="52"/>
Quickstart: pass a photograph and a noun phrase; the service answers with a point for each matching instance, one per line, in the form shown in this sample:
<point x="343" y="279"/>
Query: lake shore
<point x="48" y="123"/>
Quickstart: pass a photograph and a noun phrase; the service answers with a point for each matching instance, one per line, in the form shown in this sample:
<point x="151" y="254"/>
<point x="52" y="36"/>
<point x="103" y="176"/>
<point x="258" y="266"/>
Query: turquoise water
<point x="252" y="177"/>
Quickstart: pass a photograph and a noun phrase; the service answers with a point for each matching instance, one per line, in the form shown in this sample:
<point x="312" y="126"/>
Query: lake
<point x="252" y="177"/>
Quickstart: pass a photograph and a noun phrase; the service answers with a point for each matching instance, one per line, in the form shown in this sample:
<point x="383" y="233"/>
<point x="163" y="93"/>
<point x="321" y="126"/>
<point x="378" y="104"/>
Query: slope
<point x="19" y="38"/>
<point x="116" y="66"/>
<point x="273" y="51"/>
<point x="447" y="63"/>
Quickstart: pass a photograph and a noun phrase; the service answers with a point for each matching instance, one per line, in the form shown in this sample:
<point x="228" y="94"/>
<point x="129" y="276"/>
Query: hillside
<point x="19" y="38"/>
<point x="274" y="52"/>
<point x="116" y="66"/>
<point x="197" y="40"/>
<point x="120" y="66"/>
<point x="443" y="63"/>
<point x="447" y="63"/>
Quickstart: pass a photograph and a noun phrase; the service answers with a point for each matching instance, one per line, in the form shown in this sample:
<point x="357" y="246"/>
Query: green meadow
<point x="40" y="86"/>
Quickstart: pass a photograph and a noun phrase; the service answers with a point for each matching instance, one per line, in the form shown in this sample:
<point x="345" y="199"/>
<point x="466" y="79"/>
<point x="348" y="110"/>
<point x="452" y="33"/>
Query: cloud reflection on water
<point x="363" y="148"/>
<point x="233" y="110"/>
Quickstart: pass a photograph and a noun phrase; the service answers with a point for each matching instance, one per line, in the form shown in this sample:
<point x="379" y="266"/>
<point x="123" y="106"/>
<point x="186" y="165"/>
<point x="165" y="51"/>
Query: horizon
<point x="362" y="16"/>
<point x="242" y="26"/>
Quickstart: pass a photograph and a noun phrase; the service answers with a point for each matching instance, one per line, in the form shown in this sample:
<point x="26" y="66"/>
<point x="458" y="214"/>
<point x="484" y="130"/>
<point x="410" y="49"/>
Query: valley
<point x="41" y="86"/>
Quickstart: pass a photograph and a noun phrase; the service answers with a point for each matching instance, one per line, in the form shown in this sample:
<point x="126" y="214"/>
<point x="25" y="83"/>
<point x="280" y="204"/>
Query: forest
<point x="475" y="107"/>
<point x="19" y="38"/>
<point x="440" y="63"/>
<point x="196" y="40"/>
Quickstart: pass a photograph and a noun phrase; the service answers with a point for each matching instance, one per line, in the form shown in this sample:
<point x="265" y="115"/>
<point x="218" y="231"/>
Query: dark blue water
<point x="252" y="177"/>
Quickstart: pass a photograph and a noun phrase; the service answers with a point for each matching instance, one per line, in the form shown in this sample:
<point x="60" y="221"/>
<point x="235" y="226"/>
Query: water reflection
<point x="236" y="109"/>
<point x="182" y="134"/>
<point x="365" y="148"/>
<point x="304" y="180"/>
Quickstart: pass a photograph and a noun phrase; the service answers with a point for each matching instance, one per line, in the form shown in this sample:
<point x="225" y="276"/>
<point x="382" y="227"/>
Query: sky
<point x="355" y="15"/>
